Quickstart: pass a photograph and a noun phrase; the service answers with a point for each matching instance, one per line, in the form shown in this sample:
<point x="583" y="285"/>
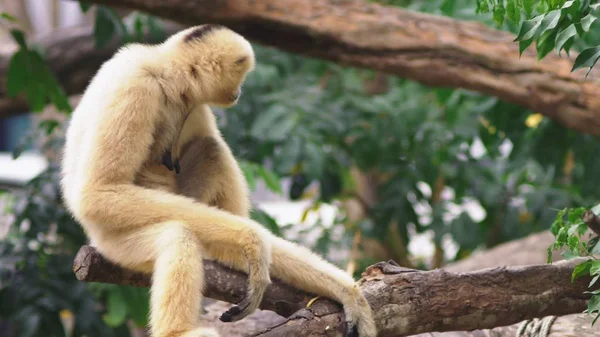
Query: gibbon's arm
<point x="209" y="171"/>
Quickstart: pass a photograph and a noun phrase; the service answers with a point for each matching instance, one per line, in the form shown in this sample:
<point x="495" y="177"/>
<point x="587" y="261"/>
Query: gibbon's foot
<point x="238" y="312"/>
<point x="248" y="305"/>
<point x="202" y="332"/>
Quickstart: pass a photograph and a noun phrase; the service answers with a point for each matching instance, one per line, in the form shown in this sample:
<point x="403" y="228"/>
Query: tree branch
<point x="433" y="50"/>
<point x="405" y="301"/>
<point x="222" y="283"/>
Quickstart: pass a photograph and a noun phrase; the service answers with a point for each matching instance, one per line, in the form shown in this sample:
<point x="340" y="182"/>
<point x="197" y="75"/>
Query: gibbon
<point x="147" y="174"/>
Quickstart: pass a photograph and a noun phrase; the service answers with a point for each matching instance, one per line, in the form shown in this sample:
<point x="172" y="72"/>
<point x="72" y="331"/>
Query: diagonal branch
<point x="433" y="50"/>
<point x="405" y="301"/>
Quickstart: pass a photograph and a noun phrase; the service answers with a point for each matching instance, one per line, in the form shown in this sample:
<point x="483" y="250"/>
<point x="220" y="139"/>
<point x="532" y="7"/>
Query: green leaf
<point x="49" y="125"/>
<point x="116" y="308"/>
<point x="482" y="6"/>
<point x="523" y="45"/>
<point x="155" y="28"/>
<point x="586" y="58"/>
<point x="595" y="268"/>
<point x="273" y="124"/>
<point x="270" y="179"/>
<point x="84" y="5"/>
<point x="564" y="36"/>
<point x="549" y="255"/>
<point x="528" y="6"/>
<point x="138" y="26"/>
<point x="17" y="73"/>
<point x="587" y="21"/>
<point x="266" y="220"/>
<point x="513" y="11"/>
<point x="529" y="28"/>
<point x="249" y="171"/>
<point x="593" y="281"/>
<point x="8" y="17"/>
<point x="545" y="44"/>
<point x="549" y="22"/>
<point x="562" y="236"/>
<point x="19" y="37"/>
<point x="573" y="243"/>
<point x="594" y="304"/>
<point x="581" y="269"/>
<point x="315" y="160"/>
<point x="499" y="13"/>
<point x="104" y="27"/>
<point x="137" y="301"/>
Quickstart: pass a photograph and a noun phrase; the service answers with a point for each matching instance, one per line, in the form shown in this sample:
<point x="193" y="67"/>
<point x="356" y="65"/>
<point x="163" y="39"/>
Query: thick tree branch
<point x="222" y="283"/>
<point x="433" y="50"/>
<point x="405" y="301"/>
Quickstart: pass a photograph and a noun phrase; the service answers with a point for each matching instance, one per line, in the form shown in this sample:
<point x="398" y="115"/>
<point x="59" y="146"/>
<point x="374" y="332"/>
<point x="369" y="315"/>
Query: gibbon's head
<point x="214" y="61"/>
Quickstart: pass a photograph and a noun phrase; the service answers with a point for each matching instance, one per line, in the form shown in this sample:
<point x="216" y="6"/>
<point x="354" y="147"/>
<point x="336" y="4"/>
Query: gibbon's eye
<point x="241" y="60"/>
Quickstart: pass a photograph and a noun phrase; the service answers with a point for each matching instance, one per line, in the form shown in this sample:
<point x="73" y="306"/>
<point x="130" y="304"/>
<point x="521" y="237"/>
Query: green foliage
<point x="569" y="230"/>
<point x="28" y="73"/>
<point x="552" y="25"/>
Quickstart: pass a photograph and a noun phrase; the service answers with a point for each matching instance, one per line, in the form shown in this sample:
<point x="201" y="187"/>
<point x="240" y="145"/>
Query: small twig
<point x="592" y="221"/>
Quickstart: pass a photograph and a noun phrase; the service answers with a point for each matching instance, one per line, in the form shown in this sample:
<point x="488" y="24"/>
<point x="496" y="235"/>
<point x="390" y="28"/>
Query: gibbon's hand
<point x="168" y="162"/>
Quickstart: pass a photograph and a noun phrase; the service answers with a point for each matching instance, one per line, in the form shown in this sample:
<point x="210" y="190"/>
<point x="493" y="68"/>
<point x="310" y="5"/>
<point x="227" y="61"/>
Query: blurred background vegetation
<point x="356" y="164"/>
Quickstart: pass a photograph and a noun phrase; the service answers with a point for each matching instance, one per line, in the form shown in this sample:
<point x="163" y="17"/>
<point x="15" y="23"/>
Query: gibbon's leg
<point x="211" y="175"/>
<point x="209" y="171"/>
<point x="177" y="275"/>
<point x="134" y="207"/>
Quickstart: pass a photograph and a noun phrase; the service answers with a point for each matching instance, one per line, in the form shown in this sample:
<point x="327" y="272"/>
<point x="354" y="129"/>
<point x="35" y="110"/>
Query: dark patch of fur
<point x="199" y="33"/>
<point x="193" y="72"/>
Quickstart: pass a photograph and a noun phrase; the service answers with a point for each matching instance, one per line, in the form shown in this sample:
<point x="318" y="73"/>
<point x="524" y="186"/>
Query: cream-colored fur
<point x="142" y="119"/>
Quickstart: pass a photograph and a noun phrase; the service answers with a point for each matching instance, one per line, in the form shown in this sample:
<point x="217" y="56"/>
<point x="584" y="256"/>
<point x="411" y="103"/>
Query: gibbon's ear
<point x="200" y="32"/>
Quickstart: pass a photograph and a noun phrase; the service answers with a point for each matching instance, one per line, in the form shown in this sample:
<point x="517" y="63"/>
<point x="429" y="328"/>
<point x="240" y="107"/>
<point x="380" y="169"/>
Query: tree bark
<point x="433" y="50"/>
<point x="579" y="325"/>
<point x="405" y="301"/>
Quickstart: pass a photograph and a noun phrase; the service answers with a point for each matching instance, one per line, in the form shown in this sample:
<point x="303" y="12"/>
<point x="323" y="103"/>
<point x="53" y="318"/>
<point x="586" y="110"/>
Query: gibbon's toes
<point x="202" y="332"/>
<point x="228" y="315"/>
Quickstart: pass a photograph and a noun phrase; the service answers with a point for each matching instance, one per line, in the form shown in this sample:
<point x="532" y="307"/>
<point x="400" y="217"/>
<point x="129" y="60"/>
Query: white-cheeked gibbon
<point x="147" y="174"/>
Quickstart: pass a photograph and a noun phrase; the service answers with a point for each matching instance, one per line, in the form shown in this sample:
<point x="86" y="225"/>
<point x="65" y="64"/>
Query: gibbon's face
<point x="221" y="59"/>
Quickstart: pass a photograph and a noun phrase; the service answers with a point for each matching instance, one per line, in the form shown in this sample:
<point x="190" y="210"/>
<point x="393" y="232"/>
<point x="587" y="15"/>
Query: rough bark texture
<point x="433" y="50"/>
<point x="405" y="301"/>
<point x="579" y="325"/>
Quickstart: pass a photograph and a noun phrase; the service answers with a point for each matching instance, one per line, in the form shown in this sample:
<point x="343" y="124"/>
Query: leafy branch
<point x="552" y="25"/>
